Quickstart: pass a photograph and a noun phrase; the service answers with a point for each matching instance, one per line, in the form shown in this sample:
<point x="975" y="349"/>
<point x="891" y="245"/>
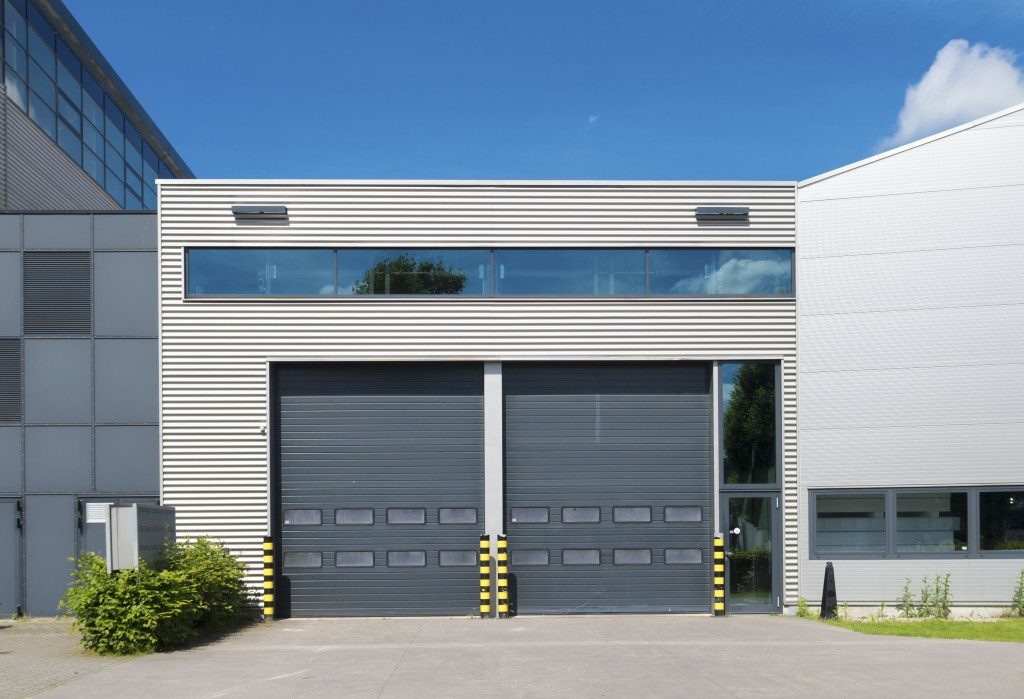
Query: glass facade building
<point x="52" y="82"/>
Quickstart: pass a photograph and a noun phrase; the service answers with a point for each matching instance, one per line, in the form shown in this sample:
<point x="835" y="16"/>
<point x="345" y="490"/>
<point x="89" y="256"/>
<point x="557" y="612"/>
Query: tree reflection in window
<point x="403" y="274"/>
<point x="748" y="422"/>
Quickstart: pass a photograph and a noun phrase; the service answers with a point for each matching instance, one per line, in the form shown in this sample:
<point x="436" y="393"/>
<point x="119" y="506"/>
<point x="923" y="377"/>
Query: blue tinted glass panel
<point x="114" y="135"/>
<point x="114" y="161"/>
<point x="69" y="141"/>
<point x="231" y="272"/>
<point x="15" y="23"/>
<point x="42" y="115"/>
<point x="16" y="88"/>
<point x="92" y="138"/>
<point x="133" y="181"/>
<point x="114" y="187"/>
<point x="42" y="53"/>
<point x="132" y="156"/>
<point x="569" y="272"/>
<point x="16" y="57"/>
<point x="149" y="198"/>
<point x="69" y="113"/>
<point x="91" y="110"/>
<point x="92" y="87"/>
<point x="165" y="171"/>
<point x="69" y="85"/>
<point x="414" y="272"/>
<point x="150" y="157"/>
<point x="131" y="202"/>
<point x="721" y="272"/>
<point x="41" y="84"/>
<point x="148" y="173"/>
<point x="93" y="165"/>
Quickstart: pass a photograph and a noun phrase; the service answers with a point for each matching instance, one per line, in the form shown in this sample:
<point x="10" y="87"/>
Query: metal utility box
<point x="137" y="533"/>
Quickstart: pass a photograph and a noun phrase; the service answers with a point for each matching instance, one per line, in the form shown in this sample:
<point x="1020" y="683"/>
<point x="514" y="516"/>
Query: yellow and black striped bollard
<point x="502" y="576"/>
<point x="268" y="577"/>
<point x="718" y="566"/>
<point x="485" y="576"/>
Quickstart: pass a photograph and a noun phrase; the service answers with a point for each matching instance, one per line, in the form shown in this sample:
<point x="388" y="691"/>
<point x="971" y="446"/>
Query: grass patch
<point x="1003" y="630"/>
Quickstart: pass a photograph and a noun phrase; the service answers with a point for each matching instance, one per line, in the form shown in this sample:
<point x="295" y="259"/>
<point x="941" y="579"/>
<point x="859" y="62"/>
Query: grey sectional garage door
<point x="380" y="488"/>
<point x="607" y="473"/>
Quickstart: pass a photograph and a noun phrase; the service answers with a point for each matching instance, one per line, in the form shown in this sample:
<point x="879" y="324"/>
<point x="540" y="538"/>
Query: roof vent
<point x="261" y="212"/>
<point x="723" y="213"/>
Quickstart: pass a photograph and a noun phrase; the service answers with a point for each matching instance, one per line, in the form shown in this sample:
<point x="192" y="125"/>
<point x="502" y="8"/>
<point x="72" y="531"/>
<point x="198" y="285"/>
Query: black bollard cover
<point x="829" y="601"/>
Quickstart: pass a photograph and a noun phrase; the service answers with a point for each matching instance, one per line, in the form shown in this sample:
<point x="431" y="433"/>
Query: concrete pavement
<point x="651" y="655"/>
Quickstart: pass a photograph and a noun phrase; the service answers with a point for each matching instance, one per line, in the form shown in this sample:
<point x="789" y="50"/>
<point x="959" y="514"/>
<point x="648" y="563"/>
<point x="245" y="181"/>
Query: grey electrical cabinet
<point x="137" y="533"/>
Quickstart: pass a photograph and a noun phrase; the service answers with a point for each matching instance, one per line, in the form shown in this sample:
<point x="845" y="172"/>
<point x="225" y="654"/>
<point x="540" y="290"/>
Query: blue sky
<point x="636" y="89"/>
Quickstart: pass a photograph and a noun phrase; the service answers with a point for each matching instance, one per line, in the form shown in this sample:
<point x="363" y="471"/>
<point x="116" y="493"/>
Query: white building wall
<point x="910" y="280"/>
<point x="214" y="354"/>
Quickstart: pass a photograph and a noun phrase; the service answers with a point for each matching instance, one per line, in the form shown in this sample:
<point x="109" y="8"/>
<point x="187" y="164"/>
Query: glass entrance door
<point x="751" y="546"/>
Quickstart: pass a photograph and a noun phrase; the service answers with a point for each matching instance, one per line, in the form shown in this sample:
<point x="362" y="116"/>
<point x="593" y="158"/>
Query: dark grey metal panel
<point x="58" y="293"/>
<point x="126" y="295"/>
<point x="127" y="459"/>
<point x="41" y="176"/>
<point x="10" y="380"/>
<point x="380" y="436"/>
<point x="10" y="294"/>
<point x="58" y="381"/>
<point x="608" y="435"/>
<point x="58" y="232"/>
<point x="10" y="460"/>
<point x="126" y="381"/>
<point x="50" y="533"/>
<point x="58" y="459"/>
<point x="124" y="231"/>
<point x="10" y="558"/>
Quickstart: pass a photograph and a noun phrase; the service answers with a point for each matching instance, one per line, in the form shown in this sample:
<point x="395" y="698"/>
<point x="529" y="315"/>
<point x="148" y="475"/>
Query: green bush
<point x="803" y="609"/>
<point x="1017" y="604"/>
<point x="195" y="590"/>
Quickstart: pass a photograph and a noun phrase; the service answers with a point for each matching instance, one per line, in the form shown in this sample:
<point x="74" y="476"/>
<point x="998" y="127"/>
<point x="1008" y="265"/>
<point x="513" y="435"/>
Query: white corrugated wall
<point x="214" y="354"/>
<point x="911" y="321"/>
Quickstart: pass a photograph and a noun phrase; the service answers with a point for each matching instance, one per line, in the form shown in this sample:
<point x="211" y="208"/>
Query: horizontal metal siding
<point x="41" y="176"/>
<point x="214" y="354"/>
<point x="379" y="437"/>
<point x="910" y="316"/>
<point x="608" y="435"/>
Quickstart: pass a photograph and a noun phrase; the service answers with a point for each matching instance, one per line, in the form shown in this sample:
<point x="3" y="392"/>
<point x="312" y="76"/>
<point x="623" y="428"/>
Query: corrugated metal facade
<point x="39" y="176"/>
<point x="214" y="354"/>
<point x="911" y="317"/>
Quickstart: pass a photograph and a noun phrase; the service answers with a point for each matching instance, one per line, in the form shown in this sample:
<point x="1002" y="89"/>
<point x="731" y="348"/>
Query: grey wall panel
<point x="126" y="381"/>
<point x="41" y="177"/>
<point x="125" y="293"/>
<point x="58" y="459"/>
<point x="127" y="459"/>
<point x="385" y="437"/>
<point x="629" y="438"/>
<point x="50" y="534"/>
<point x="10" y="294"/>
<point x="58" y="381"/>
<point x="911" y="319"/>
<point x="58" y="232"/>
<point x="125" y="231"/>
<point x="10" y="231"/>
<point x="10" y="558"/>
<point x="10" y="459"/>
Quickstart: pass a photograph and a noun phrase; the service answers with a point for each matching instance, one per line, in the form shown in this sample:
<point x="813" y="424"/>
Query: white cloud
<point x="963" y="83"/>
<point x="592" y="119"/>
<point x="737" y="276"/>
